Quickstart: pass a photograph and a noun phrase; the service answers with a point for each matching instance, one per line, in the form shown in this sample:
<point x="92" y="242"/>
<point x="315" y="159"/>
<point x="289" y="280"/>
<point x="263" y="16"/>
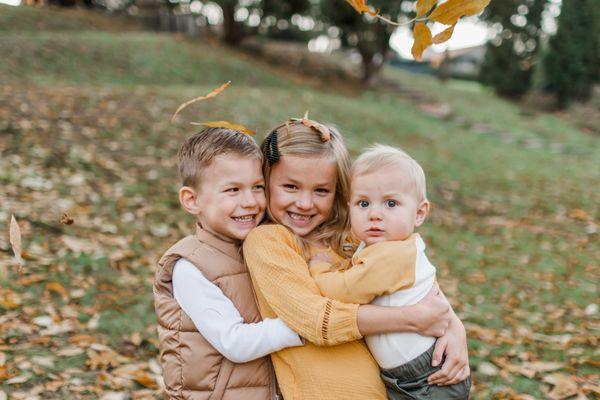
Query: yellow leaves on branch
<point x="447" y="13"/>
<point x="214" y="124"/>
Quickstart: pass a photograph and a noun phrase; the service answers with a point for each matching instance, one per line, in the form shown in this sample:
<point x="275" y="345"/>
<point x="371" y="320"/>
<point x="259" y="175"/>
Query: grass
<point x="84" y="129"/>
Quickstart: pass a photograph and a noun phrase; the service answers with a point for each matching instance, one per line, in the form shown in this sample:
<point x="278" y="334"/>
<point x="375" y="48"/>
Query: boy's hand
<point x="454" y="346"/>
<point x="434" y="314"/>
<point x="320" y="258"/>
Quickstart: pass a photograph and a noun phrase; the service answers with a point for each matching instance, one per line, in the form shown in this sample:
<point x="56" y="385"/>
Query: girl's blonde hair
<point x="296" y="138"/>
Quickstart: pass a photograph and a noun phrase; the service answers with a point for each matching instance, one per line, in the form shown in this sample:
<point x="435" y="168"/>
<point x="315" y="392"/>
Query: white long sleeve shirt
<point x="220" y="322"/>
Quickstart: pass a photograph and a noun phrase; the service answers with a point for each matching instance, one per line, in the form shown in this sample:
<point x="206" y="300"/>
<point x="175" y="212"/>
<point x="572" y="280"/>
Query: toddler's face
<point x="383" y="207"/>
<point x="232" y="196"/>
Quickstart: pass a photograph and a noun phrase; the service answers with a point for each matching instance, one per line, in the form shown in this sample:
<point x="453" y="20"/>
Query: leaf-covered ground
<point x="84" y="130"/>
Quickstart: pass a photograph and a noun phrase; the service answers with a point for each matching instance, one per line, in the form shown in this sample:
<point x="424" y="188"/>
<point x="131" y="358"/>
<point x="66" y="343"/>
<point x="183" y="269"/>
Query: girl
<point x="307" y="174"/>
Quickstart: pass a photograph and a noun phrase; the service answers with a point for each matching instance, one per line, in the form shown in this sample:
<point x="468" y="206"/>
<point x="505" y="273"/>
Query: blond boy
<point x="212" y="341"/>
<point x="388" y="201"/>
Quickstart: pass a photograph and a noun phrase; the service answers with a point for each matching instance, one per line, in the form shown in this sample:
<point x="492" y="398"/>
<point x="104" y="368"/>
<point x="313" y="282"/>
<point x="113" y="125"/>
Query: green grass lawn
<point x="85" y="105"/>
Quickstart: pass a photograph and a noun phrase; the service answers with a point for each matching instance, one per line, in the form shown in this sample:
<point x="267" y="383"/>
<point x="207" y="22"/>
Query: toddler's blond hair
<point x="379" y="156"/>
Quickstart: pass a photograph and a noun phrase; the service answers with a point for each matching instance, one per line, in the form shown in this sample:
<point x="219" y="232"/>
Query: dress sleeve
<point x="219" y="321"/>
<point x="280" y="274"/>
<point x="379" y="269"/>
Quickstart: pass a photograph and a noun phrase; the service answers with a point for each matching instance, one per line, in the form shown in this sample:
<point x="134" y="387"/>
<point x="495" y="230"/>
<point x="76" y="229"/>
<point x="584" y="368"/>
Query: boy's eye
<point x="259" y="187"/>
<point x="232" y="190"/>
<point x="290" y="186"/>
<point x="391" y="203"/>
<point x="363" y="203"/>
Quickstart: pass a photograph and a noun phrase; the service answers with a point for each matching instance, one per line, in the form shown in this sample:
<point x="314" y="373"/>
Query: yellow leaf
<point x="15" y="241"/>
<point x="361" y="7"/>
<point x="444" y="35"/>
<point x="225" y="124"/>
<point x="449" y="12"/>
<point x="423" y="6"/>
<point x="208" y="96"/>
<point x="57" y="288"/>
<point x="423" y="40"/>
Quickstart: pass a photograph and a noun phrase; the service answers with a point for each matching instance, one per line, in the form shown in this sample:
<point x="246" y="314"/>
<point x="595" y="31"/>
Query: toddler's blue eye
<point x="363" y="203"/>
<point x="391" y="203"/>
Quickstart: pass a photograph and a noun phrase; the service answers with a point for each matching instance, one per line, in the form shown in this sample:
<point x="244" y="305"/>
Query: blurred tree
<point x="513" y="52"/>
<point x="368" y="35"/>
<point x="572" y="63"/>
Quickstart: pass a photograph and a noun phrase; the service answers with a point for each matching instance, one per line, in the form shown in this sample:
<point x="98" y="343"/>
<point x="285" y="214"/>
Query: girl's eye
<point x="232" y="190"/>
<point x="259" y="187"/>
<point x="322" y="190"/>
<point x="363" y="203"/>
<point x="391" y="203"/>
<point x="290" y="186"/>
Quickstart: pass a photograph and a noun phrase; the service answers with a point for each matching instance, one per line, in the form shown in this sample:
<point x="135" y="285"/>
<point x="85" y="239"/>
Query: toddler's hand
<point x="435" y="315"/>
<point x="320" y="258"/>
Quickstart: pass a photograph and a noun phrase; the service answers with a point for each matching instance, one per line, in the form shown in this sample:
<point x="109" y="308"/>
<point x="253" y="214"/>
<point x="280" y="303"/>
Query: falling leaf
<point x="66" y="220"/>
<point x="564" y="386"/>
<point x="225" y="124"/>
<point x="449" y="12"/>
<point x="423" y="40"/>
<point x="208" y="96"/>
<point x="361" y="7"/>
<point x="423" y="6"/>
<point x="15" y="241"/>
<point x="444" y="35"/>
<point x="58" y="288"/>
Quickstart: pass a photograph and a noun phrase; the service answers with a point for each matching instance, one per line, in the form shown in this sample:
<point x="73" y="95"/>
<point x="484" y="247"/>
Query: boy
<point x="388" y="201"/>
<point x="212" y="342"/>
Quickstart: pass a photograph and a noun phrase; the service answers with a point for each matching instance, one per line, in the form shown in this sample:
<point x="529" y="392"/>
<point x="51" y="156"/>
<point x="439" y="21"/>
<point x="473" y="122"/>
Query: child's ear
<point x="188" y="199"/>
<point x="422" y="212"/>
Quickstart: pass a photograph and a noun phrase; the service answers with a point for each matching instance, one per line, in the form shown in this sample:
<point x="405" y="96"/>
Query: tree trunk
<point x="233" y="32"/>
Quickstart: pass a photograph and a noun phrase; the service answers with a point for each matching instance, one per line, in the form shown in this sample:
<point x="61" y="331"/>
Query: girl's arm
<point x="220" y="322"/>
<point x="280" y="274"/>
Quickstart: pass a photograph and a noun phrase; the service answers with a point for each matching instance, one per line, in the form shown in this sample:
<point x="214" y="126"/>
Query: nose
<point x="249" y="199"/>
<point x="374" y="213"/>
<point x="304" y="201"/>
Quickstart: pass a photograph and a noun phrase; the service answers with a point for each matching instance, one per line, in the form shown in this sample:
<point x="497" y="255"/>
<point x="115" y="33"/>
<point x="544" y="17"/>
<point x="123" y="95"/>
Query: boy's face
<point x="383" y="207"/>
<point x="231" y="196"/>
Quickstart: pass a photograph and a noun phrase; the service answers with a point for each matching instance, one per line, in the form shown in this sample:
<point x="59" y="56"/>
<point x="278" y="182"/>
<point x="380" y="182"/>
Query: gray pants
<point x="409" y="381"/>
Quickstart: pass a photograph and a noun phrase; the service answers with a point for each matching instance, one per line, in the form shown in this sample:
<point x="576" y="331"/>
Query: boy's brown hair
<point x="199" y="150"/>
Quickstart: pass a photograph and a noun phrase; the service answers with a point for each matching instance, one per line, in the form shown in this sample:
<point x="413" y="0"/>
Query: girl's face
<point x="302" y="191"/>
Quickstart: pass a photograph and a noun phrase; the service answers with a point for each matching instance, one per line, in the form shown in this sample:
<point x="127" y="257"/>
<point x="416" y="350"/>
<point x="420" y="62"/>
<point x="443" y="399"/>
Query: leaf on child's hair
<point x="423" y="6"/>
<point x="322" y="129"/>
<point x="361" y="7"/>
<point x="225" y="124"/>
<point x="208" y="96"/>
<point x="423" y="40"/>
<point x="449" y="12"/>
<point x="15" y="241"/>
<point x="444" y="35"/>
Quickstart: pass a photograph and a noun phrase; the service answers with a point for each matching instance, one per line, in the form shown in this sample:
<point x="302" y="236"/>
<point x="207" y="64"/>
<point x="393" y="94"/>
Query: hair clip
<point x="271" y="150"/>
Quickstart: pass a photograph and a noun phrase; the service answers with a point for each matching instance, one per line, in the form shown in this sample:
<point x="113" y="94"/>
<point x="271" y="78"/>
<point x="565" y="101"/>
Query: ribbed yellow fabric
<point x="382" y="268"/>
<point x="343" y="369"/>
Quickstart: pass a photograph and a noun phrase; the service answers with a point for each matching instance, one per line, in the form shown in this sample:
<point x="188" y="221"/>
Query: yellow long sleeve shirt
<point x="334" y="364"/>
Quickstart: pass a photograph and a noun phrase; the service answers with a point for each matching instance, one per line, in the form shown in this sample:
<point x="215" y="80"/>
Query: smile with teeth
<point x="244" y="218"/>
<point x="299" y="217"/>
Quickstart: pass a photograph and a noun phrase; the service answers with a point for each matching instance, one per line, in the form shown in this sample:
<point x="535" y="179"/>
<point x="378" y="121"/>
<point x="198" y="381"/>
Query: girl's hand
<point x="320" y="258"/>
<point x="454" y="346"/>
<point x="432" y="314"/>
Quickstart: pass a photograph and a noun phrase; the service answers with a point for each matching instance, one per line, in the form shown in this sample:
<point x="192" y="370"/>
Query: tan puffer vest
<point x="192" y="368"/>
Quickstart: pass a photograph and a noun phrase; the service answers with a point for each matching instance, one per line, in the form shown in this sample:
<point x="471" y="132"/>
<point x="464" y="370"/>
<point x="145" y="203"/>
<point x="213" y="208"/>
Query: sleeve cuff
<point x="281" y="336"/>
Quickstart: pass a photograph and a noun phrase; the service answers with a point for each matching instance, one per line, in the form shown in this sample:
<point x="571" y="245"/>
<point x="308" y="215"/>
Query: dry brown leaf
<point x="322" y="129"/>
<point x="208" y="96"/>
<point x="423" y="40"/>
<point x="423" y="6"/>
<point x="15" y="241"/>
<point x="564" y="386"/>
<point x="58" y="288"/>
<point x="444" y="35"/>
<point x="449" y="12"/>
<point x="361" y="7"/>
<point x="225" y="124"/>
<point x="145" y="379"/>
<point x="65" y="219"/>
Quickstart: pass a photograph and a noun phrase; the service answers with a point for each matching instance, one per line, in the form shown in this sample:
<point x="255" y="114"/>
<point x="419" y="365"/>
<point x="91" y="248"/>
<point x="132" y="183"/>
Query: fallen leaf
<point x="423" y="6"/>
<point x="15" y="241"/>
<point x="487" y="368"/>
<point x="444" y="35"/>
<point x="59" y="289"/>
<point x="146" y="380"/>
<point x="449" y="12"/>
<point x="423" y="40"/>
<point x="208" y="96"/>
<point x="564" y="386"/>
<point x="225" y="124"/>
<point x="66" y="220"/>
<point x="17" y="379"/>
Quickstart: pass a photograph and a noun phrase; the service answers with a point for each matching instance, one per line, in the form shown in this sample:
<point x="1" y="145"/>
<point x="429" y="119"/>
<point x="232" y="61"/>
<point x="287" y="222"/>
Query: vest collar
<point x="227" y="246"/>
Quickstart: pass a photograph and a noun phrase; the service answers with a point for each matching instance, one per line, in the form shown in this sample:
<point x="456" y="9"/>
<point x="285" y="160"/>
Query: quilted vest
<point x="192" y="368"/>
